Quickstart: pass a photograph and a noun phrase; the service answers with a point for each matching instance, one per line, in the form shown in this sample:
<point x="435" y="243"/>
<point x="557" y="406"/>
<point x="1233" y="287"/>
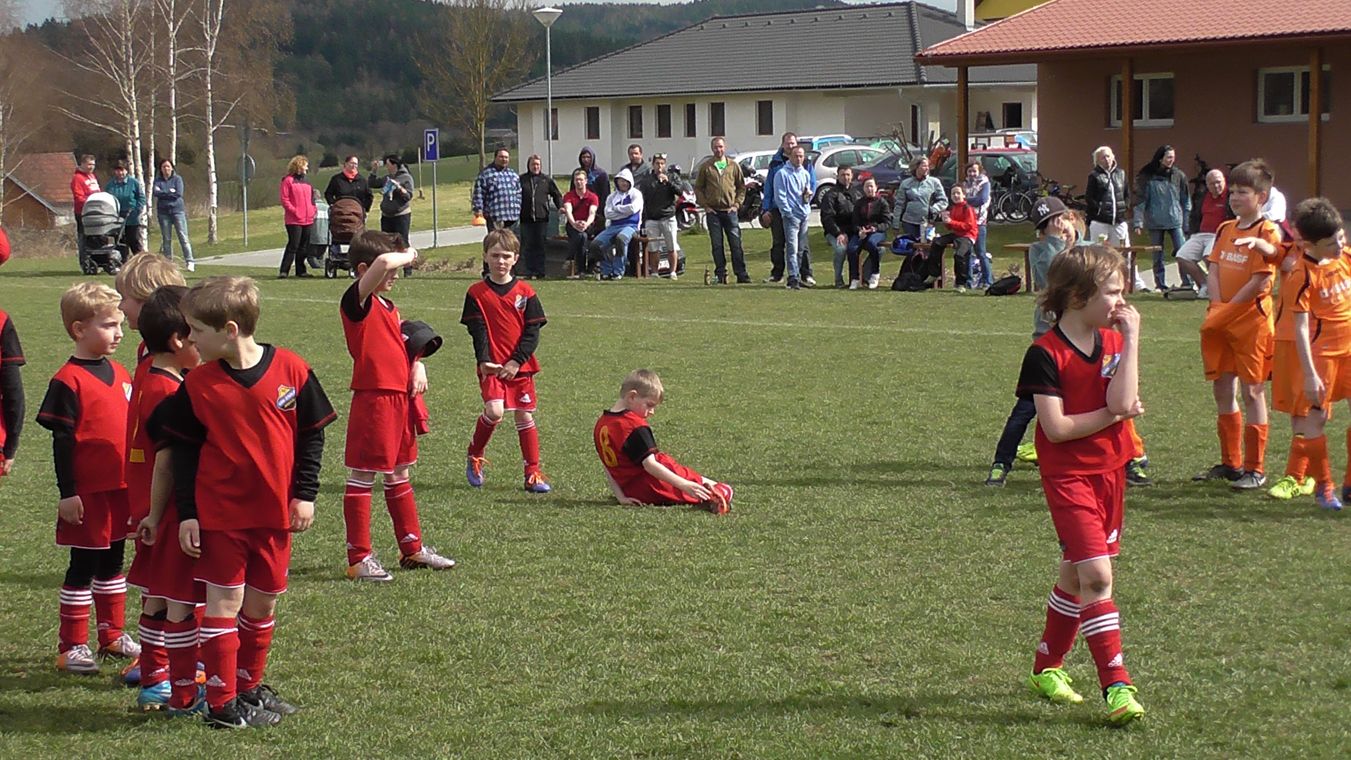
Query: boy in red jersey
<point x="136" y="280"/>
<point x="1083" y="377"/>
<point x="1236" y="333"/>
<point x="11" y="393"/>
<point x="503" y="315"/>
<point x="86" y="410"/>
<point x="247" y="430"/>
<point x="639" y="473"/>
<point x="169" y="596"/>
<point x="380" y="435"/>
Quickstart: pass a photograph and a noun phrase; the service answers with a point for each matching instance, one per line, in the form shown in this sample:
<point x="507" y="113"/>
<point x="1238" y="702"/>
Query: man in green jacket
<point x="719" y="189"/>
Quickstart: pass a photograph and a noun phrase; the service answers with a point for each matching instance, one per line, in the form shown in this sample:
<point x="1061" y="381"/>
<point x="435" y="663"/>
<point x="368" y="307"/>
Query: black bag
<point x="909" y="281"/>
<point x="1005" y="286"/>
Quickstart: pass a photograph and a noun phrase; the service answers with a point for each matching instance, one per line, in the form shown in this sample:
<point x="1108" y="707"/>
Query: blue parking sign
<point x="431" y="144"/>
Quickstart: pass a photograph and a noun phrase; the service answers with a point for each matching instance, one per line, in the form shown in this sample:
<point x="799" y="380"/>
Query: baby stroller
<point x="102" y="231"/>
<point x="346" y="220"/>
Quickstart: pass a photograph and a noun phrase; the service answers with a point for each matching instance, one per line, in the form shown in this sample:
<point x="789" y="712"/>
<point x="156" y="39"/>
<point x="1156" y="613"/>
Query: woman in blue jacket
<point x="172" y="213"/>
<point x="1162" y="205"/>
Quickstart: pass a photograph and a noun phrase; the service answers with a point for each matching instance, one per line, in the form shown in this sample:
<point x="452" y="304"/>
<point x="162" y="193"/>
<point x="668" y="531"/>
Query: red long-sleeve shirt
<point x="962" y="220"/>
<point x="81" y="187"/>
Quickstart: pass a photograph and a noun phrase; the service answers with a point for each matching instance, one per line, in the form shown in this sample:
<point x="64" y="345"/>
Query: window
<point x="717" y="119"/>
<point x="1283" y="94"/>
<point x="764" y="117"/>
<point x="635" y="121"/>
<point x="554" y="124"/>
<point x="1151" y="100"/>
<point x="1013" y="115"/>
<point x="593" y="122"/>
<point x="915" y="117"/>
<point x="663" y="121"/>
<point x="689" y="120"/>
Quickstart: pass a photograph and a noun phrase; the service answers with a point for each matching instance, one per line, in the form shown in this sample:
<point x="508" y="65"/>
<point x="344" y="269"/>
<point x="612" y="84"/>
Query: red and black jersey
<point x="245" y="441"/>
<point x="11" y="388"/>
<point x="504" y="320"/>
<point x="375" y="341"/>
<point x="142" y="353"/>
<point x="149" y="387"/>
<point x="623" y="440"/>
<point x="86" y="410"/>
<point x="1053" y="366"/>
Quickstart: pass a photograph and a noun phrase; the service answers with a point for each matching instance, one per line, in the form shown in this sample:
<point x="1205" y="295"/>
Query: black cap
<point x="1045" y="209"/>
<point x="419" y="339"/>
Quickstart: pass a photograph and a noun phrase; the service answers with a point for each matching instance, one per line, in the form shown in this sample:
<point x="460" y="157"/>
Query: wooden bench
<point x="1128" y="250"/>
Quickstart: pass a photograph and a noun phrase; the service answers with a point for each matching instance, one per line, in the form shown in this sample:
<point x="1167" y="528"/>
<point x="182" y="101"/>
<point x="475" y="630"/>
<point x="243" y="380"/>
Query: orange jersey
<point x="1324" y="293"/>
<point x="1285" y="296"/>
<point x="1237" y="265"/>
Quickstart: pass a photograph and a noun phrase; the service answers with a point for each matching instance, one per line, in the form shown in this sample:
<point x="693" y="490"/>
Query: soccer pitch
<point x="866" y="597"/>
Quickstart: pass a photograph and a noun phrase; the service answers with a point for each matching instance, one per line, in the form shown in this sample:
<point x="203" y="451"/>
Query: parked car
<point x="821" y="142"/>
<point x="887" y="170"/>
<point x="824" y="163"/>
<point x="755" y="162"/>
<point x="1007" y="168"/>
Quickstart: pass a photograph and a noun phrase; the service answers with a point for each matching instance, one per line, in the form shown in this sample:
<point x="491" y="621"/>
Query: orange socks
<point x="1297" y="464"/>
<point x="1317" y="449"/>
<point x="1254" y="448"/>
<point x="1138" y="443"/>
<point x="1231" y="439"/>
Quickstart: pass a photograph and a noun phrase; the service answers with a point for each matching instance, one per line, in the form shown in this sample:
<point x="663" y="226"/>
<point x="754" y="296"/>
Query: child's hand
<point x="697" y="490"/>
<point x="71" y="510"/>
<point x="1127" y="320"/>
<point x="145" y="530"/>
<point x="418" y="384"/>
<point x="1314" y="389"/>
<point x="1137" y="409"/>
<point x="1251" y="243"/>
<point x="190" y="538"/>
<point x="302" y="515"/>
<point x="509" y="370"/>
<point x="6" y="466"/>
<point x="629" y="501"/>
<point x="486" y="369"/>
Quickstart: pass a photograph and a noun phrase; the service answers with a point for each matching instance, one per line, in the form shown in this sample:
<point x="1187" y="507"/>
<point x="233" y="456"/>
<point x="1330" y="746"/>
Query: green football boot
<point x="1121" y="705"/>
<point x="1054" y="684"/>
<point x="1027" y="452"/>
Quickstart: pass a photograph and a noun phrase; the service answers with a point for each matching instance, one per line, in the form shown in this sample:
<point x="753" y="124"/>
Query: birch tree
<point x="174" y="17"/>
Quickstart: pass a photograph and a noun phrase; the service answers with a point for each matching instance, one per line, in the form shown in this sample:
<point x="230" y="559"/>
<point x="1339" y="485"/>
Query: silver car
<point x="826" y="162"/>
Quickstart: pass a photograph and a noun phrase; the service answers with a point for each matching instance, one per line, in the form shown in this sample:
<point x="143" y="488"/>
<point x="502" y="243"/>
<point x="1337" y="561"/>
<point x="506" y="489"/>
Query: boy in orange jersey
<point x="504" y="316"/>
<point x="637" y="471"/>
<point x="1322" y="316"/>
<point x="1236" y="333"/>
<point x="380" y="435"/>
<point x="1287" y="377"/>
<point x="86" y="411"/>
<point x="247" y="431"/>
<point x="1083" y="376"/>
<point x="160" y="569"/>
<point x="136" y="280"/>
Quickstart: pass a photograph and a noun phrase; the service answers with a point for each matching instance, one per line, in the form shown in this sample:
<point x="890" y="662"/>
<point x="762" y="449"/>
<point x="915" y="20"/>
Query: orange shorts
<point x="1286" y="377"/>
<point x="1241" y="347"/>
<point x="1336" y="374"/>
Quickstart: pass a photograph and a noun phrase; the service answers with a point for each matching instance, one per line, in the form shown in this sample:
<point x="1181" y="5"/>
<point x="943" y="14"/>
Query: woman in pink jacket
<point x="297" y="201"/>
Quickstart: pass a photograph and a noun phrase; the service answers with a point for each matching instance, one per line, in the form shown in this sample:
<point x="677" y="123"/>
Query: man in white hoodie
<point x="624" y="211"/>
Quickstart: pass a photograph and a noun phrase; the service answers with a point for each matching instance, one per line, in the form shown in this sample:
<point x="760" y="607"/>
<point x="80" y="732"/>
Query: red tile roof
<point x="48" y="175"/>
<point x="1062" y="26"/>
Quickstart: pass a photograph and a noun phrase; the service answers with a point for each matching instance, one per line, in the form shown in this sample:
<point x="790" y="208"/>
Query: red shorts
<point x="105" y="521"/>
<point x="255" y="557"/>
<point x="380" y="435"/>
<point x="649" y="490"/>
<point x="140" y="572"/>
<point x="171" y="571"/>
<point x="1087" y="511"/>
<point x="516" y="394"/>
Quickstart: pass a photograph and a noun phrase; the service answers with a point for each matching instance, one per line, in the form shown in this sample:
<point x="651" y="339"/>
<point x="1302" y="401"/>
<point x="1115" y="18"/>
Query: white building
<point x="749" y="78"/>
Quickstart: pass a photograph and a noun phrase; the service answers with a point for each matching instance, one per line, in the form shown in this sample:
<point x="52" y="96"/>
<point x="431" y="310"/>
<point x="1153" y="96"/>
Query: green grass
<point x="867" y="597"/>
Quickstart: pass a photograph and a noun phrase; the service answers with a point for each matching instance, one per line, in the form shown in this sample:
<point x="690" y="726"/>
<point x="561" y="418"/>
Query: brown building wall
<point x="22" y="210"/>
<point x="1215" y="115"/>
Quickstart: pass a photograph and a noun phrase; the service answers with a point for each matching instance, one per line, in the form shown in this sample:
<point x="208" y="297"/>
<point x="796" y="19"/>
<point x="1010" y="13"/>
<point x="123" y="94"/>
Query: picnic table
<point x="1128" y="250"/>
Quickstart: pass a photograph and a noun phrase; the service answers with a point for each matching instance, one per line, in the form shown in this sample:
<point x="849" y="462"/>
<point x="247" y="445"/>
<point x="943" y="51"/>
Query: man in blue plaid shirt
<point x="497" y="192"/>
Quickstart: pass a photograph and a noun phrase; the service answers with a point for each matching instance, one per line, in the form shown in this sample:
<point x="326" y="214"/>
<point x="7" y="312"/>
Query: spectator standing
<point x="537" y="192"/>
<point x="597" y="181"/>
<point x="1162" y="205"/>
<point x="1210" y="208"/>
<point x="130" y="195"/>
<point x="497" y="193"/>
<point x="396" y="200"/>
<point x="579" y="213"/>
<point x="792" y="200"/>
<point x="772" y="217"/>
<point x="872" y="217"/>
<point x="660" y="191"/>
<point x="837" y="219"/>
<point x="171" y="212"/>
<point x="977" y="187"/>
<point x="297" y="202"/>
<point x="82" y="185"/>
<point x="720" y="189"/>
<point x="1108" y="204"/>
<point x="636" y="166"/>
<point x="349" y="183"/>
<point x="919" y="199"/>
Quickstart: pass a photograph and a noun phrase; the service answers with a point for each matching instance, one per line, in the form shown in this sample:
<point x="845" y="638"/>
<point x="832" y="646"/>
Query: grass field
<point x="867" y="597"/>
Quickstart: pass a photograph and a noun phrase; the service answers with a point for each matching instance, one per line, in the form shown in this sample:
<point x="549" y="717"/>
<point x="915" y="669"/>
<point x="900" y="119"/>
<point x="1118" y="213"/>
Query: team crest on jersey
<point x="286" y="398"/>
<point x="520" y="302"/>
<point x="126" y="390"/>
<point x="1109" y="362"/>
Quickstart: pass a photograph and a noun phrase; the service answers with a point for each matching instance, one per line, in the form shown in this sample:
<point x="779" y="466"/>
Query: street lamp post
<point x="547" y="16"/>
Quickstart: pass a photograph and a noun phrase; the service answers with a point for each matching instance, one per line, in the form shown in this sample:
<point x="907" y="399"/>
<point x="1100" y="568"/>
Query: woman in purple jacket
<point x="297" y="202"/>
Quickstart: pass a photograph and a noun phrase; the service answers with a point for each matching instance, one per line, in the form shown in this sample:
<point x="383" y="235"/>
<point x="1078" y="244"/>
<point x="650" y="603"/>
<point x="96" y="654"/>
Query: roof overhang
<point x="1001" y="58"/>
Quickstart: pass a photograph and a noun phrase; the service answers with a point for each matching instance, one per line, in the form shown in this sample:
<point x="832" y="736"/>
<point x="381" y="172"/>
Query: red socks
<point x="255" y="640"/>
<point x="180" y="643"/>
<point x="110" y="603"/>
<point x="1231" y="439"/>
<point x="1062" y="625"/>
<point x="154" y="658"/>
<point x="1101" y="626"/>
<point x="483" y="431"/>
<point x="220" y="656"/>
<point x="403" y="513"/>
<point x="75" y="603"/>
<point x="356" y="514"/>
<point x="1254" y="448"/>
<point x="529" y="435"/>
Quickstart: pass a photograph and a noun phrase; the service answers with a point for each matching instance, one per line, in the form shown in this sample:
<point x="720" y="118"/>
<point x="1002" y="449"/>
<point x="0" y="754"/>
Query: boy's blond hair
<point x="144" y="272"/>
<point x="502" y="238"/>
<point x="86" y="300"/>
<point x="1076" y="275"/>
<point x="645" y="382"/>
<point x="221" y="299"/>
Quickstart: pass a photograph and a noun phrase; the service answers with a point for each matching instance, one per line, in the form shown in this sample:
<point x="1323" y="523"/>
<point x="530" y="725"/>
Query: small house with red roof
<point x="1213" y="78"/>
<point x="37" y="192"/>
